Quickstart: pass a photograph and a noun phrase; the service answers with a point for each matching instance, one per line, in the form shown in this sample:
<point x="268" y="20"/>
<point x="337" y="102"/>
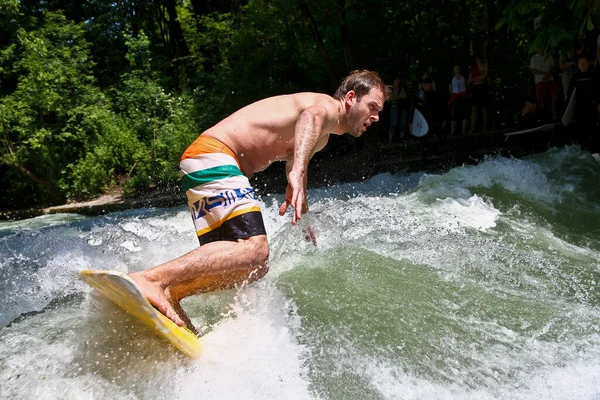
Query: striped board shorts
<point x="222" y="202"/>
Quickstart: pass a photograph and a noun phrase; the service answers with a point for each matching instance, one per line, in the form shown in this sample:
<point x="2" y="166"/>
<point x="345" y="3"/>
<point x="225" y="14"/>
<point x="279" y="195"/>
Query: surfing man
<point x="215" y="172"/>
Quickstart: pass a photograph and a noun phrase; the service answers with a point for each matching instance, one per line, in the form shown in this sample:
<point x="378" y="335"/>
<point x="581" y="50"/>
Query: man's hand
<point x="295" y="197"/>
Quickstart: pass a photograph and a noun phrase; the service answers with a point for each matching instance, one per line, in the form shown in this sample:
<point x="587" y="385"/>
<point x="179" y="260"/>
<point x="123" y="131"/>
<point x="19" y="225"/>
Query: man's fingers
<point x="298" y="212"/>
<point x="299" y="207"/>
<point x="283" y="208"/>
<point x="298" y="203"/>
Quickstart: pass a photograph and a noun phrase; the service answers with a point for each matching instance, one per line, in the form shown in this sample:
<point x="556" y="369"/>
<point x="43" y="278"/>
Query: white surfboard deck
<point x="420" y="127"/>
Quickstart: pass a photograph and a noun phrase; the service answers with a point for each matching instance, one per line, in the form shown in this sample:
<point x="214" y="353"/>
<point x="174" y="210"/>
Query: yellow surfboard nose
<point x="122" y="290"/>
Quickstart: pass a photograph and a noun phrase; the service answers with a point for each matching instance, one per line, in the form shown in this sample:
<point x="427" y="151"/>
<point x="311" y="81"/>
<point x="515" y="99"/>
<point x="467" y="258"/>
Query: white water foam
<point x="573" y="381"/>
<point x="523" y="177"/>
<point x="254" y="351"/>
<point x="252" y="355"/>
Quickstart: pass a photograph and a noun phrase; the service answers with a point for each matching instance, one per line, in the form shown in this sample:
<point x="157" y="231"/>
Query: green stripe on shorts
<point x="204" y="176"/>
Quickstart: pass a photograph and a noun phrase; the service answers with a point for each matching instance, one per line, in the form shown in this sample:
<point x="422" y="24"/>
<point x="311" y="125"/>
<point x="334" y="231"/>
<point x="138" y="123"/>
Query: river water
<point x="478" y="283"/>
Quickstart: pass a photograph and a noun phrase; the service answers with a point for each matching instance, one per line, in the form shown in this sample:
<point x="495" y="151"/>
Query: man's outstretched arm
<point x="309" y="129"/>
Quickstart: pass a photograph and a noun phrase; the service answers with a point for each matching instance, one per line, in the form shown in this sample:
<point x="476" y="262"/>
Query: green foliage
<point x="104" y="159"/>
<point x="52" y="64"/>
<point x="550" y="24"/>
<point x="66" y="139"/>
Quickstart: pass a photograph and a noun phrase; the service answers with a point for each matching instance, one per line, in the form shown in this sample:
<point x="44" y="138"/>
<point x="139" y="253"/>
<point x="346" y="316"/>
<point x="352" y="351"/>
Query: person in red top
<point x="480" y="91"/>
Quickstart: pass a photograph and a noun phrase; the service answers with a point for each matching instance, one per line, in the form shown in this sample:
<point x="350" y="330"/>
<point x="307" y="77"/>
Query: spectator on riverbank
<point x="568" y="69"/>
<point x="427" y="101"/>
<point x="588" y="43"/>
<point x="529" y="117"/>
<point x="546" y="89"/>
<point x="403" y="108"/>
<point x="398" y="110"/>
<point x="426" y="76"/>
<point x="587" y="101"/>
<point x="480" y="92"/>
<point x="458" y="100"/>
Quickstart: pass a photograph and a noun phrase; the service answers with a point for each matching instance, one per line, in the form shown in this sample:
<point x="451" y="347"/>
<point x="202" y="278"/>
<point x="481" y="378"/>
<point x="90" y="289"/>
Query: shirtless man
<point x="215" y="172"/>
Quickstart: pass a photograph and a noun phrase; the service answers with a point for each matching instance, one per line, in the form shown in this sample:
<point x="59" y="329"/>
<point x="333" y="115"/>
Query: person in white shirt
<point x="458" y="100"/>
<point x="546" y="88"/>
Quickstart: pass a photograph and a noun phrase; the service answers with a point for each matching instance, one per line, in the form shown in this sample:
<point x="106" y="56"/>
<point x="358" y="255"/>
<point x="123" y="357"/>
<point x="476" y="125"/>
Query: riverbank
<point x="106" y="203"/>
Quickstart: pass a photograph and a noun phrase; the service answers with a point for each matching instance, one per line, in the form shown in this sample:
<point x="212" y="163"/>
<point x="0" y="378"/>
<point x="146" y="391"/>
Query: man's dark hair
<point x="427" y="80"/>
<point x="361" y="82"/>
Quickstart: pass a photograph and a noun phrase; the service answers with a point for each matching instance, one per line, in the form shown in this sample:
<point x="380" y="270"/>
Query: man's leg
<point x="213" y="266"/>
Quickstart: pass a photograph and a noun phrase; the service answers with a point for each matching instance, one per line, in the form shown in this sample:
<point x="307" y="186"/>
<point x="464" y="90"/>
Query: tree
<point x="549" y="23"/>
<point x="54" y="85"/>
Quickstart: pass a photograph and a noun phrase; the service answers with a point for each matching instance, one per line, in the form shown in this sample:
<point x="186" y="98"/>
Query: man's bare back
<point x="264" y="132"/>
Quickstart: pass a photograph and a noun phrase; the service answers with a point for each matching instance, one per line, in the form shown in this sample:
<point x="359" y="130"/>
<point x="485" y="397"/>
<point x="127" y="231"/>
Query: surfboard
<point x="122" y="290"/>
<point x="568" y="114"/>
<point x="542" y="128"/>
<point x="419" y="125"/>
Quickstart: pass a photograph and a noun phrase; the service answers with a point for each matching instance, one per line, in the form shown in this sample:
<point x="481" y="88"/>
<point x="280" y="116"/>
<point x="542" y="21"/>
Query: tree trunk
<point x="333" y="82"/>
<point x="345" y="35"/>
<point x="466" y="34"/>
<point x="175" y="32"/>
<point x="492" y="19"/>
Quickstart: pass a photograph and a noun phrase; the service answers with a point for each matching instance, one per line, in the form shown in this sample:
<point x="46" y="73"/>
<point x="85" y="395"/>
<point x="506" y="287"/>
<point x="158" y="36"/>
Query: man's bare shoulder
<point x="324" y="102"/>
<point x="285" y="109"/>
<point x="300" y="100"/>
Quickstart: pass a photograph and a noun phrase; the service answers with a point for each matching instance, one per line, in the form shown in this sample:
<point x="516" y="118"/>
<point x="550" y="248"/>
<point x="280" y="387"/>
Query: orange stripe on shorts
<point x="207" y="144"/>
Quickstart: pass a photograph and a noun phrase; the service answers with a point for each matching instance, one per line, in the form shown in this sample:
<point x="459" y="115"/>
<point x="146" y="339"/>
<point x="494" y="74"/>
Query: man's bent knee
<point x="259" y="250"/>
<point x="259" y="256"/>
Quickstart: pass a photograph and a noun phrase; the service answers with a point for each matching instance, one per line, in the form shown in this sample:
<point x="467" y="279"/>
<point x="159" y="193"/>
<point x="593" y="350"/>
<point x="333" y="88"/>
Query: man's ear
<point x="350" y="98"/>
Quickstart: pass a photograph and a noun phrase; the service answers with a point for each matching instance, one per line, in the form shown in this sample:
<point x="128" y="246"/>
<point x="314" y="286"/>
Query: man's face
<point x="364" y="112"/>
<point x="427" y="86"/>
<point x="583" y="64"/>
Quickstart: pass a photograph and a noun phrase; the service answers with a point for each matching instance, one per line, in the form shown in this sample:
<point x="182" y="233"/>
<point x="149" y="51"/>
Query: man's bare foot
<point x="156" y="295"/>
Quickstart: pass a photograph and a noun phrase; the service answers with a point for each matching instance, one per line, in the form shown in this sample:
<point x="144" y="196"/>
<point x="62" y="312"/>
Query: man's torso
<point x="264" y="131"/>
